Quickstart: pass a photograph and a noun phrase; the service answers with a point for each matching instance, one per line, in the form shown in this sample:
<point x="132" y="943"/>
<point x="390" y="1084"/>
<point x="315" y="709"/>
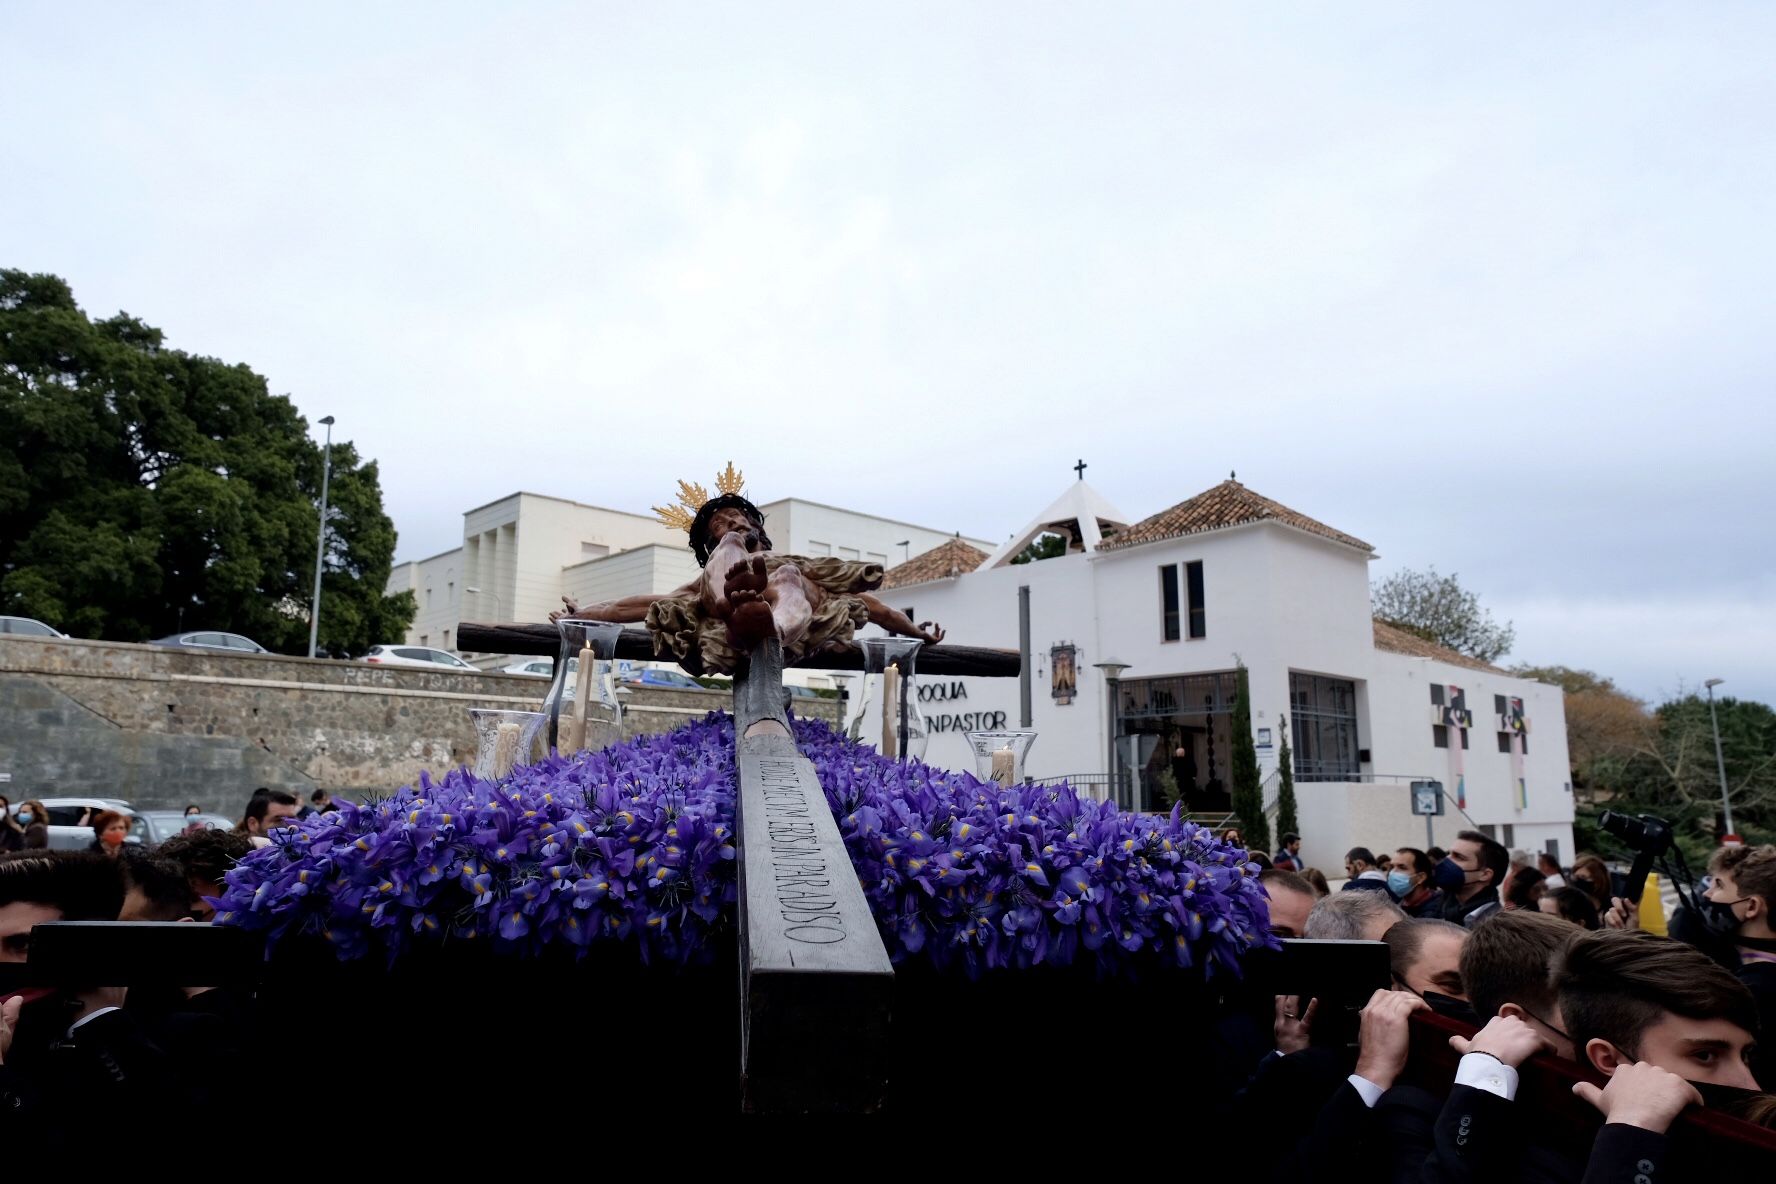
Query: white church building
<point x="1169" y="606"/>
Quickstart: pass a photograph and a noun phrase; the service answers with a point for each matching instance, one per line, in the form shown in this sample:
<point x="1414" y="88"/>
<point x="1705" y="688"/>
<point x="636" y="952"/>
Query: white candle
<point x="583" y="695"/>
<point x="891" y="712"/>
<point x="505" y="748"/>
<point x="1004" y="766"/>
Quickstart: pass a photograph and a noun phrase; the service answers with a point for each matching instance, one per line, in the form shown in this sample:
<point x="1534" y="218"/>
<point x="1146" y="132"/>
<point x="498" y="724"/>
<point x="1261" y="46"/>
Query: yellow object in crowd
<point x="1652" y="907"/>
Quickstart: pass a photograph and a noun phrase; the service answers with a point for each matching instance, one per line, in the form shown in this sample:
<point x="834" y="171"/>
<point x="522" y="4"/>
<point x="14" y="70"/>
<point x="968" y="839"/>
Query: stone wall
<point x="163" y="727"/>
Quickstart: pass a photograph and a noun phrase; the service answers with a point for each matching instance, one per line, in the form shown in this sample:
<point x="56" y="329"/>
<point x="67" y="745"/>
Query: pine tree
<point x="1248" y="792"/>
<point x="1286" y="821"/>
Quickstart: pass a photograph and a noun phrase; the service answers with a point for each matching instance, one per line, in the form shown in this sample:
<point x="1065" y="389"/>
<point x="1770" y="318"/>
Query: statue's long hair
<point x="702" y="544"/>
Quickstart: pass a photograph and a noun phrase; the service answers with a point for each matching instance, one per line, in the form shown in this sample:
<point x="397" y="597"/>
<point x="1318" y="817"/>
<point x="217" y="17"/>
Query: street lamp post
<point x="1720" y="759"/>
<point x="314" y="612"/>
<point x="1112" y="678"/>
<point x="497" y="606"/>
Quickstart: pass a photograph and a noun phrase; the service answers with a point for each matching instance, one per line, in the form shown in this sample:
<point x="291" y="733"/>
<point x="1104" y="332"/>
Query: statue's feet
<point x="749" y="614"/>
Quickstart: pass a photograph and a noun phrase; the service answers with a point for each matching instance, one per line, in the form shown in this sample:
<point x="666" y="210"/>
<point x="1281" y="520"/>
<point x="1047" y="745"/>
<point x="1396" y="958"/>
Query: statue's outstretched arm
<point x="626" y="611"/>
<point x="895" y="621"/>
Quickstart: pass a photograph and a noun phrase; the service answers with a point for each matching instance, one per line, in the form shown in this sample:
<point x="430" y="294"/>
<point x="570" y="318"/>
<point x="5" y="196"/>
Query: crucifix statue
<point x="747" y="593"/>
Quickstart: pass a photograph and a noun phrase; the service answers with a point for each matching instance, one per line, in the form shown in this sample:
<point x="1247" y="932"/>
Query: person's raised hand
<point x="1505" y="1039"/>
<point x="1622" y="914"/>
<point x="1641" y="1095"/>
<point x="1293" y="1025"/>
<point x="1386" y="1036"/>
<point x="9" y="1014"/>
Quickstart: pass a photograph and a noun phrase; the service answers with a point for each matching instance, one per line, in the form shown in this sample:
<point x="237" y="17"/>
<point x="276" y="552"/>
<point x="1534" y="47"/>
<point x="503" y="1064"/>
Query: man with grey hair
<point x="1353" y="916"/>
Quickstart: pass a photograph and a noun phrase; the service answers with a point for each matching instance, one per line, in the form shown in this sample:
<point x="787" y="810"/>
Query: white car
<point x="28" y="627"/>
<point x="539" y="667"/>
<point x="417" y="655"/>
<point x="65" y="830"/>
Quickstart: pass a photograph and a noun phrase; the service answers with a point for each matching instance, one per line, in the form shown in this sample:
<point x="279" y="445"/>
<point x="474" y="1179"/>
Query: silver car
<point x="28" y="627"/>
<point x="210" y="640"/>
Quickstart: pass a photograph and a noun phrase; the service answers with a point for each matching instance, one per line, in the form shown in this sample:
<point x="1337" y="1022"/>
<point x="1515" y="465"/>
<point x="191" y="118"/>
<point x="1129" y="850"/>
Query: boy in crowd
<point x="1741" y="891"/>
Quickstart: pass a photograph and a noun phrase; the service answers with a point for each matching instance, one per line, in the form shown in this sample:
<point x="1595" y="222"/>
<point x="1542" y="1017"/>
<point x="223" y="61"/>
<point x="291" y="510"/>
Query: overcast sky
<point x="1487" y="285"/>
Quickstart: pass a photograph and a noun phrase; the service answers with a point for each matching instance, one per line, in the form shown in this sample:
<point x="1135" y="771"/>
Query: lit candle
<point x="1004" y="766"/>
<point x="505" y="748"/>
<point x="583" y="695"/>
<point x="891" y="712"/>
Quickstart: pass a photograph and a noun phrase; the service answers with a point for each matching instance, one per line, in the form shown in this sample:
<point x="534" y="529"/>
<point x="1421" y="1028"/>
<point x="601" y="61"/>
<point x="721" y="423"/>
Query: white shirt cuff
<point x="1366" y="1089"/>
<point x="89" y="1018"/>
<point x="1488" y="1073"/>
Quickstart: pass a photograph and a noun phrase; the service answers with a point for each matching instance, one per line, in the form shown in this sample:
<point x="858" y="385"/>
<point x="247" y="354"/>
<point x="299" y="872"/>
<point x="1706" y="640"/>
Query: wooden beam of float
<point x="483" y="637"/>
<point x="815" y="979"/>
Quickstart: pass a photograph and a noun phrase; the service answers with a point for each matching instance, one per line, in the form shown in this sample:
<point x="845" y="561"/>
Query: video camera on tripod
<point x="1651" y="840"/>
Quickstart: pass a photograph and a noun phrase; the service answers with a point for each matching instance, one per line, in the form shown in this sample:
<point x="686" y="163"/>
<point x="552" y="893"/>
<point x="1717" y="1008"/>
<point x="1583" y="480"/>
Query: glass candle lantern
<point x="504" y="740"/>
<point x="582" y="704"/>
<point x="887" y="710"/>
<point x="999" y="756"/>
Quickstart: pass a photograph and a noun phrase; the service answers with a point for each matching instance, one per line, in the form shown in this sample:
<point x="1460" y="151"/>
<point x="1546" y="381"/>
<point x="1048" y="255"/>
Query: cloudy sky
<point x="1487" y="285"/>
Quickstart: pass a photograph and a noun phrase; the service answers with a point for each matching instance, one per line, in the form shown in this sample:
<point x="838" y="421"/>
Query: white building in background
<point x="521" y="554"/>
<point x="1184" y="596"/>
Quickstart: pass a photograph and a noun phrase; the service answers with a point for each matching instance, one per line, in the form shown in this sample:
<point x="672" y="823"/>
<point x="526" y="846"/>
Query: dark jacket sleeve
<point x="1477" y="1139"/>
<point x="1624" y="1154"/>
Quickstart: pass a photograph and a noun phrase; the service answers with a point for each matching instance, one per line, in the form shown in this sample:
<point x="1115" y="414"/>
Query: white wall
<point x="651" y="568"/>
<point x="809" y="528"/>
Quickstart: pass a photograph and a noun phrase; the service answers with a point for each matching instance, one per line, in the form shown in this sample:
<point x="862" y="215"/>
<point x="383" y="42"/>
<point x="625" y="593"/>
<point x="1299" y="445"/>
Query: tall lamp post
<point x="314" y="612"/>
<point x="1112" y="678"/>
<point x="1720" y="759"/>
<point x="497" y="606"/>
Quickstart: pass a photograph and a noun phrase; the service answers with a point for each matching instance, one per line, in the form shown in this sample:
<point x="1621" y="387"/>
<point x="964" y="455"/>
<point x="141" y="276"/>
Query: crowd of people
<point x="73" y="1058"/>
<point x="1529" y="960"/>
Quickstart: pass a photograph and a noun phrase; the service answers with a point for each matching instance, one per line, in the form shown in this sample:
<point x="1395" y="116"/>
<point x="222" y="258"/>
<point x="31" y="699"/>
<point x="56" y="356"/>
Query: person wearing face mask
<point x="1469" y="877"/>
<point x="12" y="835"/>
<point x="1736" y="913"/>
<point x="1409" y="880"/>
<point x="110" y="830"/>
<point x="1424" y="957"/>
<point x="34" y="818"/>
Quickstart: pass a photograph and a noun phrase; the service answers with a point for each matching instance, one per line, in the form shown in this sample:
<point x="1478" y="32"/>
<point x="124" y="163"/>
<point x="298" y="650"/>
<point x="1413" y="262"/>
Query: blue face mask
<point x="1449" y="875"/>
<point x="25" y="817"/>
<point x="1399" y="883"/>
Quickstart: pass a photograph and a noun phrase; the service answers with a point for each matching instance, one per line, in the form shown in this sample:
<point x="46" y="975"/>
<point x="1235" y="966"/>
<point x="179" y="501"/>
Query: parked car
<point x="651" y="677"/>
<point x="28" y="627"/>
<point x="154" y="827"/>
<point x="416" y="655"/>
<point x="540" y="667"/>
<point x="65" y="830"/>
<point x="232" y="642"/>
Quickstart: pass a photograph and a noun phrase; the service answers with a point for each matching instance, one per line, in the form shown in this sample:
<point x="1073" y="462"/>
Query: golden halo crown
<point x="691" y="497"/>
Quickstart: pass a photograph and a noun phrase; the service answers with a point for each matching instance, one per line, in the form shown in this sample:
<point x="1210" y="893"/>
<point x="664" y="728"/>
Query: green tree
<point x="1438" y="609"/>
<point x="144" y="490"/>
<point x="1287" y="824"/>
<point x="1248" y="791"/>
<point x="1043" y="546"/>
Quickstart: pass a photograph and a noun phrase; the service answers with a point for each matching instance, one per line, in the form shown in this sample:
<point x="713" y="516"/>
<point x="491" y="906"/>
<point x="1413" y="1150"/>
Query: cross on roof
<point x="1080" y="469"/>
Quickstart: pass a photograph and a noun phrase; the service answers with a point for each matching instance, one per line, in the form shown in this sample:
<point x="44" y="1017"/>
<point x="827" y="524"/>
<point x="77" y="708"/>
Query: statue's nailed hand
<point x="572" y="609"/>
<point x="930" y="632"/>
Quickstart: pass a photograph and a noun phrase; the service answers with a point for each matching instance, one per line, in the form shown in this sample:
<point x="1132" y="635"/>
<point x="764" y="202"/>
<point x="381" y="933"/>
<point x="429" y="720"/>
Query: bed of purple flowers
<point x="635" y="844"/>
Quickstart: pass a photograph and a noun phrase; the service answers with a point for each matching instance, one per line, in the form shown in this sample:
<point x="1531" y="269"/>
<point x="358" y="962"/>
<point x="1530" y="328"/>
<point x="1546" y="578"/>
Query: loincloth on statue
<point x="682" y="631"/>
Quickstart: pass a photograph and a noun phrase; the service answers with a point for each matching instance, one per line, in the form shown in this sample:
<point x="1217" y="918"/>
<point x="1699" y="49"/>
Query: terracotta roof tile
<point x="1227" y="504"/>
<point x="1398" y="641"/>
<point x="952" y="558"/>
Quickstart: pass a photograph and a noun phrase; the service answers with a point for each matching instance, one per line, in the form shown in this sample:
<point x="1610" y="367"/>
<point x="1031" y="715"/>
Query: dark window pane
<point x="1498" y="705"/>
<point x="1168" y="601"/>
<point x="1464" y="733"/>
<point x="1504" y="742"/>
<point x="1439" y="736"/>
<point x="1437" y="693"/>
<point x="1193" y="579"/>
